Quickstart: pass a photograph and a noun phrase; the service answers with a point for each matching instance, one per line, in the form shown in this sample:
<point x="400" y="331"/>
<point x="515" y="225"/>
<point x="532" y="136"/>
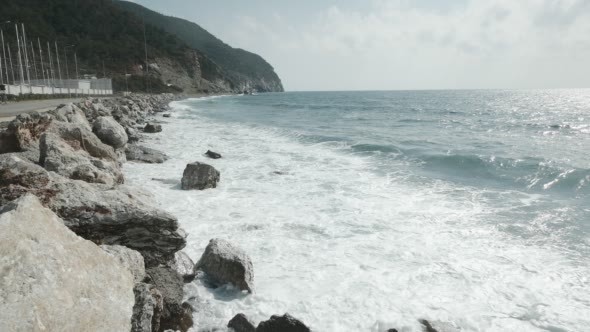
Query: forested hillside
<point x="110" y="40"/>
<point x="244" y="68"/>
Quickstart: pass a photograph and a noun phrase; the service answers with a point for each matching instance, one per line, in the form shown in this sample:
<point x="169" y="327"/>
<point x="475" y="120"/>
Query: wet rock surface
<point x="224" y="263"/>
<point x="145" y="155"/>
<point x="199" y="176"/>
<point x="285" y="323"/>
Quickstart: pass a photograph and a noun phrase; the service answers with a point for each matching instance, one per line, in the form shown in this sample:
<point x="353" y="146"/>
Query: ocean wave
<point x="526" y="173"/>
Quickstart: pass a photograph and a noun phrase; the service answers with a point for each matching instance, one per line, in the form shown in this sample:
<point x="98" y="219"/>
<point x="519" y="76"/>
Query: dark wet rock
<point x="147" y="309"/>
<point x="69" y="160"/>
<point x="132" y="134"/>
<point x="184" y="265"/>
<point x="392" y="330"/>
<point x="240" y="323"/>
<point x="437" y="326"/>
<point x="285" y="323"/>
<point x="176" y="315"/>
<point x="279" y="173"/>
<point x="166" y="115"/>
<point x="212" y="155"/>
<point x="110" y="132"/>
<point x="152" y="128"/>
<point x="146" y="155"/>
<point x="224" y="263"/>
<point x="128" y="258"/>
<point x="199" y="176"/>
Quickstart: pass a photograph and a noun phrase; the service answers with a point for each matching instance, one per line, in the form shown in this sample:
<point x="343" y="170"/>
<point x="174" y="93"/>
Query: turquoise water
<point x="467" y="207"/>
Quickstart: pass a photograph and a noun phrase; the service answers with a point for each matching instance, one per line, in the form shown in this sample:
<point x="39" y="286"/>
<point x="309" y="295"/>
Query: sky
<point x="404" y="44"/>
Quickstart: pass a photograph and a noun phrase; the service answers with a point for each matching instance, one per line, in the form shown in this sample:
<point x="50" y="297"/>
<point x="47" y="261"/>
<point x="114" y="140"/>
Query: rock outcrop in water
<point x="53" y="280"/>
<point x="225" y="263"/>
<point x="285" y="323"/>
<point x="199" y="176"/>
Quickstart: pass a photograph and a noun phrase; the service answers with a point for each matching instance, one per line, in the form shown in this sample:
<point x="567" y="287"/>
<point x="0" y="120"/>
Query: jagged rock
<point x="128" y="258"/>
<point x="285" y="323"/>
<point x="72" y="114"/>
<point x="110" y="132"/>
<point x="176" y="315"/>
<point x="53" y="280"/>
<point x="22" y="134"/>
<point x="241" y="324"/>
<point x="69" y="160"/>
<point x="80" y="138"/>
<point x="212" y="155"/>
<point x="184" y="265"/>
<point x="199" y="176"/>
<point x="118" y="217"/>
<point x="166" y="115"/>
<point x="152" y="128"/>
<point x="437" y="326"/>
<point x="132" y="135"/>
<point x="224" y="263"/>
<point x="96" y="212"/>
<point x="19" y="176"/>
<point x="147" y="310"/>
<point x="143" y="154"/>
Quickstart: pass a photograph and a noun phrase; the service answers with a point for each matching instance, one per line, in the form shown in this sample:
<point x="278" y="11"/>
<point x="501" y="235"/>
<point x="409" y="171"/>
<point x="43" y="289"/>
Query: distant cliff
<point x="244" y="69"/>
<point x="108" y="38"/>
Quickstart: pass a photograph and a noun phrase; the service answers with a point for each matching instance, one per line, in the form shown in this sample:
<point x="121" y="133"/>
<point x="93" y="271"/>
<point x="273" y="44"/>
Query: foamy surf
<point x="344" y="247"/>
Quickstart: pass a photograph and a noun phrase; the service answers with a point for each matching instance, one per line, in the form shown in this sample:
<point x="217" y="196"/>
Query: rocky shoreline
<point x="81" y="250"/>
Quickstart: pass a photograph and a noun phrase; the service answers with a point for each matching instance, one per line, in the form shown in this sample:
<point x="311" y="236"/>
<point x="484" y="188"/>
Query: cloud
<point x="423" y="44"/>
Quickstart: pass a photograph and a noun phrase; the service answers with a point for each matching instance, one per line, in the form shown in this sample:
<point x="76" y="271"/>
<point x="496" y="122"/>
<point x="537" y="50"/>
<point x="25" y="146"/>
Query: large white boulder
<point x="53" y="280"/>
<point x="110" y="131"/>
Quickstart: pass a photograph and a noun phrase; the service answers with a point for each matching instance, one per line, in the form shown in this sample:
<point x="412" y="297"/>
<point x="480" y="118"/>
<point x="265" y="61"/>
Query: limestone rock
<point x="285" y="323"/>
<point x="152" y="128"/>
<point x="241" y="324"/>
<point x="120" y="217"/>
<point x="147" y="309"/>
<point x="128" y="258"/>
<point x="110" y="131"/>
<point x="224" y="263"/>
<point x="19" y="176"/>
<point x="72" y="114"/>
<point x="22" y="134"/>
<point x="145" y="155"/>
<point x="176" y="315"/>
<point x="96" y="212"/>
<point x="80" y="138"/>
<point x="132" y="135"/>
<point x="53" y="280"/>
<point x="184" y="265"/>
<point x="69" y="160"/>
<point x="199" y="176"/>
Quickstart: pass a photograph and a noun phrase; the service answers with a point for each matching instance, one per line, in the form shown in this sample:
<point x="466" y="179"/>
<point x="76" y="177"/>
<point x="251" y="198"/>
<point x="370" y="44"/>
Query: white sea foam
<point x="346" y="249"/>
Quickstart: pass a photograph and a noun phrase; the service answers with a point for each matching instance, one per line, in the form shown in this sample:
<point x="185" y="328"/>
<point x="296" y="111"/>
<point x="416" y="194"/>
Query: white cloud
<point x="395" y="45"/>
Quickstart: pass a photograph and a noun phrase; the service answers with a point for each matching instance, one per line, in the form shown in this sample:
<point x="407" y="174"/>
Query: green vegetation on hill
<point x="109" y="39"/>
<point x="100" y="31"/>
<point x="239" y="65"/>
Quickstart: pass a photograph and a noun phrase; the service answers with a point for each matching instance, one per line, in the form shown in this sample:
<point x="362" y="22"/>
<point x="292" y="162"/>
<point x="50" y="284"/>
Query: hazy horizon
<point x="330" y="45"/>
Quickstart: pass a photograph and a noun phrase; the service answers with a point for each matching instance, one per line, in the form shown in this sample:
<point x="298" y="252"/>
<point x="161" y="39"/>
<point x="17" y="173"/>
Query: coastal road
<point x="11" y="110"/>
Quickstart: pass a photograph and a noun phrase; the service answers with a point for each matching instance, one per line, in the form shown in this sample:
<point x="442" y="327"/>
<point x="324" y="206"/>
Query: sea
<point x="365" y="211"/>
